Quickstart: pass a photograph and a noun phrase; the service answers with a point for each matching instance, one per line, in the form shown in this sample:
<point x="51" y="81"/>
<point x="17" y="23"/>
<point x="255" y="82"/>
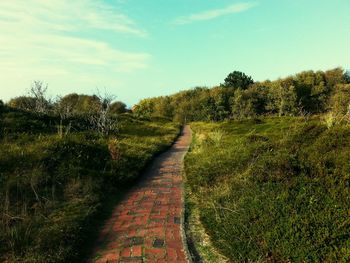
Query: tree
<point x="100" y="118"/>
<point x="209" y="110"/>
<point x="334" y="77"/>
<point x="145" y="108"/>
<point x="23" y="103"/>
<point x="74" y="104"/>
<point x="65" y="105"/>
<point x="163" y="107"/>
<point x="117" y="107"/>
<point x="222" y="103"/>
<point x="347" y="76"/>
<point x="38" y="91"/>
<point x="340" y="100"/>
<point x="238" y="80"/>
<point x="242" y="105"/>
<point x="288" y="101"/>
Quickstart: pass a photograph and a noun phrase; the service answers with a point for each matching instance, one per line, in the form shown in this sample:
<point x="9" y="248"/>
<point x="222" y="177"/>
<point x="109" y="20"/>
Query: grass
<point x="53" y="188"/>
<point x="200" y="246"/>
<point x="273" y="189"/>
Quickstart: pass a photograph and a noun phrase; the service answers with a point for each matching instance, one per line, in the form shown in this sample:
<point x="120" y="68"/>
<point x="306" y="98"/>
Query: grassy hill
<point x="53" y="185"/>
<point x="273" y="189"/>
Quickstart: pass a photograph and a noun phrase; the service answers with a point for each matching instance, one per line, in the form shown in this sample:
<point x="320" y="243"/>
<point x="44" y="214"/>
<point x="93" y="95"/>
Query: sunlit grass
<point x="274" y="189"/>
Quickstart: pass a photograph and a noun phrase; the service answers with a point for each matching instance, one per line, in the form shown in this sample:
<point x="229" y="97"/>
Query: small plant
<point x="216" y="137"/>
<point x="198" y="141"/>
<point x="347" y="116"/>
<point x="329" y="120"/>
<point x="63" y="130"/>
<point x="114" y="150"/>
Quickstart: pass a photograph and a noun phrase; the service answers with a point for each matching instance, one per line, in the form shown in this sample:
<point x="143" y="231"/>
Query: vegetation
<point x="273" y="189"/>
<point x="268" y="172"/>
<point x="238" y="80"/>
<point x="57" y="172"/>
<point x="240" y="97"/>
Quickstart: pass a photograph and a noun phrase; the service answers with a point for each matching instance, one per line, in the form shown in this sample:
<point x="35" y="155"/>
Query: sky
<point x="136" y="49"/>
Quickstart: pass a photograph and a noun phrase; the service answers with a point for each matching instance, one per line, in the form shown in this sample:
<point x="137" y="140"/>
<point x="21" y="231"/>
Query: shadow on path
<point x="146" y="226"/>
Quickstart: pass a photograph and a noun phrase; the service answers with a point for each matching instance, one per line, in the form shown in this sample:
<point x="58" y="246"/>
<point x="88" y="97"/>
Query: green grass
<point x="53" y="189"/>
<point x="273" y="189"/>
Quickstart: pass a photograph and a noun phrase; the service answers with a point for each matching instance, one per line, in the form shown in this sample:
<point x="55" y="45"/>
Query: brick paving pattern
<point x="147" y="225"/>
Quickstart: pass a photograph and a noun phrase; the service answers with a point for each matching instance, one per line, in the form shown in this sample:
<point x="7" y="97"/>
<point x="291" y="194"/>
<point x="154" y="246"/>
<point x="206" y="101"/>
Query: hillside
<point x="267" y="175"/>
<point x="56" y="179"/>
<point x="272" y="189"/>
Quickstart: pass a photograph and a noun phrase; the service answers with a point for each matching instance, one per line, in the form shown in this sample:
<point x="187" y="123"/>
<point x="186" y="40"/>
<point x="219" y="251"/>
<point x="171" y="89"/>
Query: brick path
<point x="147" y="225"/>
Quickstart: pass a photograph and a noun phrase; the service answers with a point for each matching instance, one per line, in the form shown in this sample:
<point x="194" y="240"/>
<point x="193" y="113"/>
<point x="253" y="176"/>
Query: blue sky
<point x="142" y="48"/>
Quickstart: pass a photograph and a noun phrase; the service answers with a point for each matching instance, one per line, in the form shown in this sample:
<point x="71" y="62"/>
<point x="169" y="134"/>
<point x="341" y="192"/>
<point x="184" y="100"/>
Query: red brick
<point x="126" y="252"/>
<point x="136" y="251"/>
<point x="171" y="254"/>
<point x="111" y="256"/>
<point x="156" y="252"/>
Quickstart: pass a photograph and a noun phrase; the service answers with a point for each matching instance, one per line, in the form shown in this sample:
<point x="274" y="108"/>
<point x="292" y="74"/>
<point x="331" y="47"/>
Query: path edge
<point x="193" y="229"/>
<point x="183" y="201"/>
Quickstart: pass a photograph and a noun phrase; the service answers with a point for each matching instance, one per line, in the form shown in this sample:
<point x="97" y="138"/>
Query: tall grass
<point x="53" y="185"/>
<point x="274" y="191"/>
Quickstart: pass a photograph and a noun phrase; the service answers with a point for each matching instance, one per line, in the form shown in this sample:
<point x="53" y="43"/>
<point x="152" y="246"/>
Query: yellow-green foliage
<point x="307" y="92"/>
<point x="52" y="188"/>
<point x="340" y="100"/>
<point x="274" y="189"/>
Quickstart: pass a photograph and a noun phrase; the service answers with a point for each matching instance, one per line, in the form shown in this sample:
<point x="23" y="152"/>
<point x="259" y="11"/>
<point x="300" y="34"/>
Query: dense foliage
<point x="273" y="189"/>
<point x="239" y="97"/>
<point x="238" y="80"/>
<point x="53" y="184"/>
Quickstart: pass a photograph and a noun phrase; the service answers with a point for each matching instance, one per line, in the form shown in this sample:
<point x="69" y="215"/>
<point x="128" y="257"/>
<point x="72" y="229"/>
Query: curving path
<point x="147" y="225"/>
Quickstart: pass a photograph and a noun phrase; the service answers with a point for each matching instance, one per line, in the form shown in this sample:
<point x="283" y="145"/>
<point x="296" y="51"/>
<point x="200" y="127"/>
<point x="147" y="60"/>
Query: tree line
<point x="98" y="111"/>
<point x="308" y="92"/>
<point x="238" y="97"/>
<point x="72" y="104"/>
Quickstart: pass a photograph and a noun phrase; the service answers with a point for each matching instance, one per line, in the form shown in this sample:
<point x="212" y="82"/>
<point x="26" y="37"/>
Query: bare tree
<point x="38" y="91"/>
<point x="64" y="110"/>
<point x="100" y="118"/>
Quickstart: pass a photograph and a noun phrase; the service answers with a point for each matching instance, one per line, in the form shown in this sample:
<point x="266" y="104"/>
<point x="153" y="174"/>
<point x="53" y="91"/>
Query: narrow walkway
<point x="147" y="225"/>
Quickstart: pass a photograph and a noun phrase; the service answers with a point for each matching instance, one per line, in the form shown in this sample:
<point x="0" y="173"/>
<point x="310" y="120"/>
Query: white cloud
<point x="215" y="13"/>
<point x="43" y="39"/>
<point x="44" y="49"/>
<point x="66" y="15"/>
